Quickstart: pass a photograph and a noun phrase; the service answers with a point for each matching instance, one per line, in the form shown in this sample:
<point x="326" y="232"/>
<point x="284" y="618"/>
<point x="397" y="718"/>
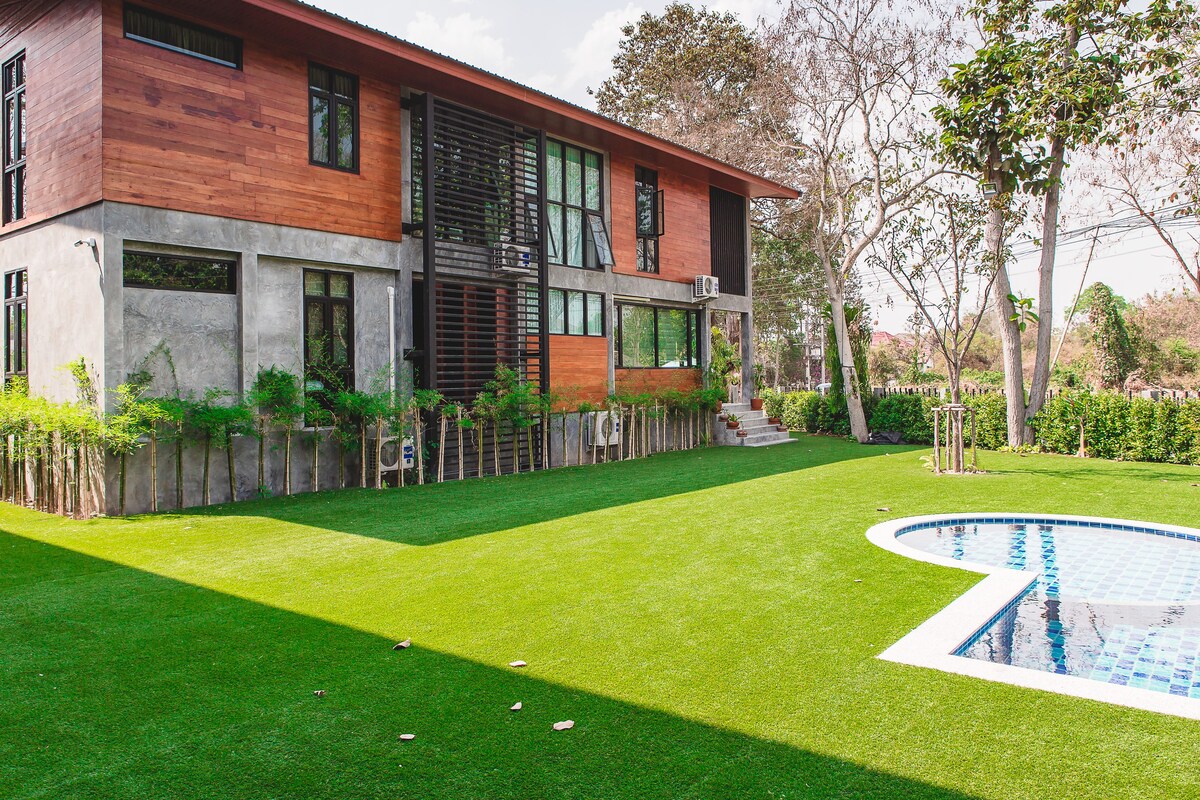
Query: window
<point x="329" y="328"/>
<point x="647" y="336"/>
<point x="648" y="201"/>
<point x="576" y="313"/>
<point x="333" y="118"/>
<point x="575" y="208"/>
<point x="16" y="323"/>
<point x="160" y="30"/>
<point x="179" y="273"/>
<point x="15" y="138"/>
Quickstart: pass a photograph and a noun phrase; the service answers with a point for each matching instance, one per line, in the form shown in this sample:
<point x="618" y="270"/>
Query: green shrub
<point x="910" y="415"/>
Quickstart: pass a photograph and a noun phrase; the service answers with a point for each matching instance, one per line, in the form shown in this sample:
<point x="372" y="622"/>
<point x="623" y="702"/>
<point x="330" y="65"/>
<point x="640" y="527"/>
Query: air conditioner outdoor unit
<point x="605" y="429"/>
<point x="511" y="258"/>
<point x="706" y="288"/>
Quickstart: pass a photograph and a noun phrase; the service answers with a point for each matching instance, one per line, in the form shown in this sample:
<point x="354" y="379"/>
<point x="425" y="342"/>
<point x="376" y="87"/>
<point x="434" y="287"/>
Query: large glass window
<point x="329" y="328"/>
<point x="648" y="336"/>
<point x="15" y="138"/>
<point x="160" y="30"/>
<point x="576" y="313"/>
<point x="648" y="213"/>
<point x="16" y="323"/>
<point x="575" y="205"/>
<point x="179" y="273"/>
<point x="333" y="118"/>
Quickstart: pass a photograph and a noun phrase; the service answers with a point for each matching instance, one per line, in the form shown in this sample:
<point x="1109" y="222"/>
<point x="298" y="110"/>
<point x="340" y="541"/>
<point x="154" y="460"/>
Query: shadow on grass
<point x="1099" y="468"/>
<point x="123" y="684"/>
<point x="436" y="513"/>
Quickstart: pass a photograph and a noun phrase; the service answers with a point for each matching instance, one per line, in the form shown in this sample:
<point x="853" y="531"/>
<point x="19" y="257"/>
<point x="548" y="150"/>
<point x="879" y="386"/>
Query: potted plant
<point x="733" y="423"/>
<point x="774" y="421"/>
<point x="756" y="400"/>
<point x="743" y="434"/>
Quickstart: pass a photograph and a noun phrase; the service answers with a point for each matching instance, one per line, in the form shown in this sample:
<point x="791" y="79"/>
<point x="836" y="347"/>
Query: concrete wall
<point x="188" y="341"/>
<point x="66" y="297"/>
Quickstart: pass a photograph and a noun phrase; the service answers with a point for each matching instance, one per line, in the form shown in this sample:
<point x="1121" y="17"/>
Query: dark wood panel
<point x="684" y="245"/>
<point x="641" y="381"/>
<point x="61" y="40"/>
<point x="579" y="369"/>
<point x="183" y="134"/>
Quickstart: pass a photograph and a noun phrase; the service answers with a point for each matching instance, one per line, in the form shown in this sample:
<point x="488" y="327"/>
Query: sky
<point x="565" y="48"/>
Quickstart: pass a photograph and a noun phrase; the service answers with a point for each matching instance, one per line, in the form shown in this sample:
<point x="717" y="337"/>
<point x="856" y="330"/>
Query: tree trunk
<point x="362" y="448"/>
<point x="232" y="471"/>
<point x="418" y="425"/>
<point x="441" y="475"/>
<point x="316" y="459"/>
<point x="378" y="452"/>
<point x="858" y="419"/>
<point x="179" y="466"/>
<point x="1045" y="328"/>
<point x="153" y="470"/>
<point x="121" y="488"/>
<point x="262" y="454"/>
<point x="207" y="462"/>
<point x="458" y="424"/>
<point x="287" y="461"/>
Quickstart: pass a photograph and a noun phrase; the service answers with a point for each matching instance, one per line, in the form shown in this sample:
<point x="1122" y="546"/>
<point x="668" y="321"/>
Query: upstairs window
<point x="648" y="213"/>
<point x="329" y="329"/>
<point x="15" y="138"/>
<point x="159" y="30"/>
<point x="333" y="118"/>
<point x="16" y="323"/>
<point x="647" y="336"/>
<point x="178" y="273"/>
<point x="576" y="313"/>
<point x="575" y="207"/>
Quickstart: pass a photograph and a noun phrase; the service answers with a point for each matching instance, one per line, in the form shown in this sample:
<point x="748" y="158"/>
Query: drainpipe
<point x="391" y="293"/>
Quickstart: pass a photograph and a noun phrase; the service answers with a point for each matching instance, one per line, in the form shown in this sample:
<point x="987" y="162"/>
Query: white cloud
<point x="588" y="62"/>
<point x="463" y="36"/>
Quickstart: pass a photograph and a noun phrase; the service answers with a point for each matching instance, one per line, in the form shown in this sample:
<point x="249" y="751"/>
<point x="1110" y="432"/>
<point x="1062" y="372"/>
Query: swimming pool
<point x="1109" y="602"/>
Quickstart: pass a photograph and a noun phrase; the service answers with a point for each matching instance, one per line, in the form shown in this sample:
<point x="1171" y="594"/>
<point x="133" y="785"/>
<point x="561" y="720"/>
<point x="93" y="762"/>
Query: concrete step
<point x="769" y="442"/>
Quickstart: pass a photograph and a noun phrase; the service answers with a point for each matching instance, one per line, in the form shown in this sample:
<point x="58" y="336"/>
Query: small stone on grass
<point x="319" y="693"/>
<point x="516" y="707"/>
<point x="517" y="664"/>
<point x="407" y="737"/>
<point x="883" y="508"/>
<point x="407" y="643"/>
<point x="565" y="725"/>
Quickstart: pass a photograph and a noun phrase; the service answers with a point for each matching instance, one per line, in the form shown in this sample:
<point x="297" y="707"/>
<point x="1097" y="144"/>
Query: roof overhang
<point x="311" y="30"/>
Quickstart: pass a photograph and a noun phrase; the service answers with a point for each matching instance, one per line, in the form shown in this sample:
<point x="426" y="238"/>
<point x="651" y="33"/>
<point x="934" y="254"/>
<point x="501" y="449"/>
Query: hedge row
<point x="1115" y="426"/>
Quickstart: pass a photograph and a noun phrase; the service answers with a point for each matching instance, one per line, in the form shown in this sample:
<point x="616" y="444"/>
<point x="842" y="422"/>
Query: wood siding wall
<point x="640" y="381"/>
<point x="61" y="40"/>
<point x="579" y="368"/>
<point x="188" y="135"/>
<point x="684" y="250"/>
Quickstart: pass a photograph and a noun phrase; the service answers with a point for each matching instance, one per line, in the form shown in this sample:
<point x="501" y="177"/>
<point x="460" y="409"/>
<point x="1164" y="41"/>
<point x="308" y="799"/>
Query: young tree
<point x="1110" y="336"/>
<point x="1047" y="80"/>
<point x="853" y="78"/>
<point x="936" y="256"/>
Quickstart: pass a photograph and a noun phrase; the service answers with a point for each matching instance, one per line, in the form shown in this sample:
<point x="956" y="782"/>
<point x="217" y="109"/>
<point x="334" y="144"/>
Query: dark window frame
<point x="590" y="254"/>
<point x="692" y="326"/>
<point x="647" y="239"/>
<point x="16" y="302"/>
<point x="229" y="264"/>
<point x="327" y="303"/>
<point x="335" y="101"/>
<point x="587" y="302"/>
<point x="235" y="41"/>
<point x="15" y="191"/>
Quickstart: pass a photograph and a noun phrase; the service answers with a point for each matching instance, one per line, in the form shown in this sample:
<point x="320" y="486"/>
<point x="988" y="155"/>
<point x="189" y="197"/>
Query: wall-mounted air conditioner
<point x="604" y="429"/>
<point x="509" y="257"/>
<point x="706" y="288"/>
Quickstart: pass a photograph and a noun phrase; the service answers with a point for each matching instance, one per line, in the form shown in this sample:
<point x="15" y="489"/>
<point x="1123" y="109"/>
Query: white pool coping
<point x="933" y="643"/>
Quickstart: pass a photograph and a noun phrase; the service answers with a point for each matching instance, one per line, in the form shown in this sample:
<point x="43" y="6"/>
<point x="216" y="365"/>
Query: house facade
<point x="198" y="190"/>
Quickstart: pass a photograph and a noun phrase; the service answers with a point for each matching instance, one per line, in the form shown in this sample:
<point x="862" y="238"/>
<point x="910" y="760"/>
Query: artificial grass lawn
<point x="696" y="614"/>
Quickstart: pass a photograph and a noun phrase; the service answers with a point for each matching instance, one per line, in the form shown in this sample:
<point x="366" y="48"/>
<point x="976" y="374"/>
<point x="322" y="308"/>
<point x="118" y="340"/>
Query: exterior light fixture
<point x="989" y="188"/>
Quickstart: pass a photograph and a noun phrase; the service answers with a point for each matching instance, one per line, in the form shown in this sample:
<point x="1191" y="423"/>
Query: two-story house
<point x="203" y="189"/>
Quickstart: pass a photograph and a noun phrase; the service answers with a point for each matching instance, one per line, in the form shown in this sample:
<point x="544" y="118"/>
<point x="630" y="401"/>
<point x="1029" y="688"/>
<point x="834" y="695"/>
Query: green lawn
<point x="696" y="614"/>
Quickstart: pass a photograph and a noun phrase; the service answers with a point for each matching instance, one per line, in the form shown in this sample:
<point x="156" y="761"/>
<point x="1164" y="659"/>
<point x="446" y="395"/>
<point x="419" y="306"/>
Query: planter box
<point x="774" y="421"/>
<point x="742" y="433"/>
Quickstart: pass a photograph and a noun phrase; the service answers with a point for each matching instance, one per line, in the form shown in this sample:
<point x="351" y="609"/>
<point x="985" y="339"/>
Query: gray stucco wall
<point x="66" y="297"/>
<point x="197" y="332"/>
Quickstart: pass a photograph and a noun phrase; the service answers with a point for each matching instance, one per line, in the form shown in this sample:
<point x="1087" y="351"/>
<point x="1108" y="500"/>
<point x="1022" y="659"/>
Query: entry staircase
<point x="759" y="432"/>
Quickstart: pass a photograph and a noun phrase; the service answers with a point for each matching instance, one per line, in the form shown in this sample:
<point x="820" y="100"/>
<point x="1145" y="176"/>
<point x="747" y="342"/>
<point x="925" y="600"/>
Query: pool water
<point x="1113" y="603"/>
